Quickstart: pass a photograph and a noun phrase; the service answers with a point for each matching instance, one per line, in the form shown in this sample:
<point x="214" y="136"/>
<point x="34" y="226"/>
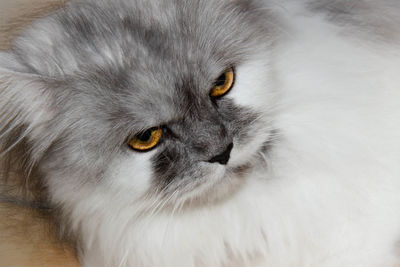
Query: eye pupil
<point x="221" y="80"/>
<point x="145" y="136"/>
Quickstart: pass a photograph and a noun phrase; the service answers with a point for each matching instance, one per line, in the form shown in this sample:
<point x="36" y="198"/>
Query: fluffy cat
<point x="213" y="133"/>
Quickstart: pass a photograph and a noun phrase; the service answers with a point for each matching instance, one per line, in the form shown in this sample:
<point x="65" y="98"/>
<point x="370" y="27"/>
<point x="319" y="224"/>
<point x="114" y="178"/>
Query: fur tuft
<point x="313" y="177"/>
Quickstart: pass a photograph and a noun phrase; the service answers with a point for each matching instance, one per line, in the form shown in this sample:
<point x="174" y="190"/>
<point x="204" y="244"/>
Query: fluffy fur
<point x="313" y="178"/>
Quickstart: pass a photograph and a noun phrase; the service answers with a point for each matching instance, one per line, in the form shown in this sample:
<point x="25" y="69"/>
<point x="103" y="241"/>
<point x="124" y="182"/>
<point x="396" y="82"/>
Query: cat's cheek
<point x="245" y="152"/>
<point x="253" y="87"/>
<point x="131" y="172"/>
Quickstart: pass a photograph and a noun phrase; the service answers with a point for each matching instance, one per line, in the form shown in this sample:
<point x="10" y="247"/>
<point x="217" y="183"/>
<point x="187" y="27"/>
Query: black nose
<point x="223" y="158"/>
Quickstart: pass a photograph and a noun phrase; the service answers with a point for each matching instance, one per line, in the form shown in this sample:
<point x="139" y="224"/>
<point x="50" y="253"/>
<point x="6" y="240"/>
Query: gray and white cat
<point x="182" y="133"/>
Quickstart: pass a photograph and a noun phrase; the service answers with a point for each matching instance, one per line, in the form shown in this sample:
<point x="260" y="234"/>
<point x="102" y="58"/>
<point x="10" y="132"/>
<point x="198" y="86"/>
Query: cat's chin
<point x="218" y="187"/>
<point x="211" y="192"/>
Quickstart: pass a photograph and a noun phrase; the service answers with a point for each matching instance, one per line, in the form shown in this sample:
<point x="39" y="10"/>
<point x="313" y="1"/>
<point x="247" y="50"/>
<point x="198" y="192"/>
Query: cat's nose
<point x="223" y="158"/>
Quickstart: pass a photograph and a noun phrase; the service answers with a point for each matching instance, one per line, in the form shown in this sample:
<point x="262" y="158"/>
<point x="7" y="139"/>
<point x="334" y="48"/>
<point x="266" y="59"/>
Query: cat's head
<point x="138" y="98"/>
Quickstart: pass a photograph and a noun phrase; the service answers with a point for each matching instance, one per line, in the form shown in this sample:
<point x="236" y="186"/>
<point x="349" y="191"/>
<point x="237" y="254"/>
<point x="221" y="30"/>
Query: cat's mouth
<point x="222" y="182"/>
<point x="211" y="192"/>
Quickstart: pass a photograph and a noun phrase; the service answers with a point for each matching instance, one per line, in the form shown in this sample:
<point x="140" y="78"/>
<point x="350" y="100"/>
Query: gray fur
<point x="79" y="84"/>
<point x="115" y="69"/>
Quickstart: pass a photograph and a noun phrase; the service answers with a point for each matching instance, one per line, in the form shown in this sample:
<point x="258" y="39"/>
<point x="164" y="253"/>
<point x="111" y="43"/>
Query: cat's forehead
<point x="146" y="56"/>
<point x="145" y="36"/>
<point x="161" y="35"/>
<point x="151" y="97"/>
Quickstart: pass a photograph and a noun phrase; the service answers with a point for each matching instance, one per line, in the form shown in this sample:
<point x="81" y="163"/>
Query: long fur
<point x="313" y="178"/>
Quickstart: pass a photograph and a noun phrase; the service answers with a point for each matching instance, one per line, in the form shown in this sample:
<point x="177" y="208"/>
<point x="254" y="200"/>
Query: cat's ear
<point x="25" y="100"/>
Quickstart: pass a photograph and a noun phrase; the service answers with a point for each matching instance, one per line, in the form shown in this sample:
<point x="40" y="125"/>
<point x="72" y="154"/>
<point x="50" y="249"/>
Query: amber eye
<point x="223" y="84"/>
<point x="146" y="140"/>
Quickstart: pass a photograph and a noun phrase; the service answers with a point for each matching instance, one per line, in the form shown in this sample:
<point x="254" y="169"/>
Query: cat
<point x="212" y="133"/>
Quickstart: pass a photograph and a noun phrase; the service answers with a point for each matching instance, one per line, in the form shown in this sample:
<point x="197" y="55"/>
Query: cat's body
<point x="313" y="178"/>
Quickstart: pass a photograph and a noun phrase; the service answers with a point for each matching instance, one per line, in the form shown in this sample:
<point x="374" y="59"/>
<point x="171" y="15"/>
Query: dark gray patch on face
<point x="201" y="130"/>
<point x="199" y="135"/>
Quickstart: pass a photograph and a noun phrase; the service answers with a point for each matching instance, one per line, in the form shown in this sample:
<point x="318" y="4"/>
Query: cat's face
<point x="132" y="85"/>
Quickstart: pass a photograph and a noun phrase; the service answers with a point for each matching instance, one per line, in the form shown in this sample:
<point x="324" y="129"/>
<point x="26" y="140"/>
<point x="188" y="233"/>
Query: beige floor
<point x="25" y="238"/>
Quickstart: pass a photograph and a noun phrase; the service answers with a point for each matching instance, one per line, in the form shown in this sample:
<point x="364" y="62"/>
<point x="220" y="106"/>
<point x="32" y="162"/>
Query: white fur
<point x="329" y="194"/>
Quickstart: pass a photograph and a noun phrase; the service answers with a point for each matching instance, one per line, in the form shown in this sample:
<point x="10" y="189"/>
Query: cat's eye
<point x="146" y="140"/>
<point x="223" y="84"/>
